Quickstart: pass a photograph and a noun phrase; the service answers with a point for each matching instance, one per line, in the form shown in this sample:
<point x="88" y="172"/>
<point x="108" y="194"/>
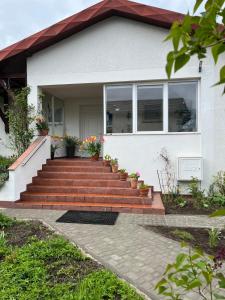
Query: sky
<point x="21" y="18"/>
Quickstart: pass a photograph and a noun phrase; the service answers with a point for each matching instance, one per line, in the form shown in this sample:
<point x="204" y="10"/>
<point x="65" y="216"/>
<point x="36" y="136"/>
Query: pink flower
<point x="138" y="174"/>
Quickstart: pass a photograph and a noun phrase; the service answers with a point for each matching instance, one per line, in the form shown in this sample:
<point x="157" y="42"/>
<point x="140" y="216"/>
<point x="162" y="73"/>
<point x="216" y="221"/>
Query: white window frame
<point x="165" y="85"/>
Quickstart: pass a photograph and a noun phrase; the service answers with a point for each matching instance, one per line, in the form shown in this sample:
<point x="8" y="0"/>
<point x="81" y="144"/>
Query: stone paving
<point x="134" y="253"/>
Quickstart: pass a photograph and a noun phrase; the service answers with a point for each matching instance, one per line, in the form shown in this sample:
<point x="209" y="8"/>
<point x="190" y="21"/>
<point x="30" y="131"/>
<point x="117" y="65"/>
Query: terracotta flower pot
<point x="106" y="163"/>
<point x="95" y="157"/>
<point x="123" y="176"/>
<point x="144" y="192"/>
<point x="43" y="132"/>
<point x="115" y="168"/>
<point x="133" y="183"/>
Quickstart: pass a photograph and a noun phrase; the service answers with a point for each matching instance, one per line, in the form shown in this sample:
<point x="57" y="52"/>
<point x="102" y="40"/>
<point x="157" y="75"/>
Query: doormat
<point x="89" y="217"/>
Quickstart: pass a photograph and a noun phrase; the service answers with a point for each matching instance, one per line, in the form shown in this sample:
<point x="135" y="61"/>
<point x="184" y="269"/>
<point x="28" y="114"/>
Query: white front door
<point x="91" y="121"/>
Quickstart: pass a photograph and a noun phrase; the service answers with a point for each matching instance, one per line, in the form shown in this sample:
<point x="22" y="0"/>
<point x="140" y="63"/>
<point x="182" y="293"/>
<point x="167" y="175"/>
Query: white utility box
<point x="189" y="167"/>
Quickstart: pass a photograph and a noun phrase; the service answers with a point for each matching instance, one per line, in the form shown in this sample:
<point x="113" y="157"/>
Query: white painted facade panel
<point x="121" y="50"/>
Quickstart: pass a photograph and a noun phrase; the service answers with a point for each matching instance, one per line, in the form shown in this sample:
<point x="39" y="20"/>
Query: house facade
<point x="102" y="72"/>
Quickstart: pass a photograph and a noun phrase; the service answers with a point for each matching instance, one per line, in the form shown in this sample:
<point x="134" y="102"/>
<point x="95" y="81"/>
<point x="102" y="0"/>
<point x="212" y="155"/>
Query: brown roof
<point x="92" y="15"/>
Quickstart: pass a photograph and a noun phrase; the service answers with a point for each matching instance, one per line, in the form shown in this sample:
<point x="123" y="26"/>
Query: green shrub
<point x="24" y="275"/>
<point x="183" y="235"/>
<point x="5" y="163"/>
<point x="104" y="285"/>
<point x="4" y="249"/>
<point x="6" y="221"/>
<point x="199" y="198"/>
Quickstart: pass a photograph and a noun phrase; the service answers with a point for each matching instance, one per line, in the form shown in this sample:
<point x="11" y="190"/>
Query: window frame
<point x="165" y="85"/>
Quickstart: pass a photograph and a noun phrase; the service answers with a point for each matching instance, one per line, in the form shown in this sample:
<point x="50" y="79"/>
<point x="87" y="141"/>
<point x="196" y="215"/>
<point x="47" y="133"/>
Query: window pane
<point x="150" y="108"/>
<point x="183" y="107"/>
<point x="58" y="113"/>
<point x="47" y="107"/>
<point x="119" y="109"/>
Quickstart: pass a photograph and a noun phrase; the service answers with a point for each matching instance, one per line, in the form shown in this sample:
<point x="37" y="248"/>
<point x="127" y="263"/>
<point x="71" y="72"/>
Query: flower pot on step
<point x="133" y="183"/>
<point x="144" y="192"/>
<point x="43" y="132"/>
<point x="123" y="176"/>
<point x="106" y="163"/>
<point x="52" y="155"/>
<point x="70" y="151"/>
<point x="95" y="157"/>
<point x="115" y="168"/>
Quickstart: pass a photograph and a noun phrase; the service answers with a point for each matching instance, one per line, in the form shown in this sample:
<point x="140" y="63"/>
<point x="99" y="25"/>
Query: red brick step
<point x="80" y="182"/>
<point x="83" y="190"/>
<point x="75" y="197"/>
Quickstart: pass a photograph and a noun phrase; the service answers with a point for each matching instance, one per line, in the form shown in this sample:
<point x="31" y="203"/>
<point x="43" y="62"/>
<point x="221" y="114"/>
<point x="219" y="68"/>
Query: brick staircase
<point x="81" y="184"/>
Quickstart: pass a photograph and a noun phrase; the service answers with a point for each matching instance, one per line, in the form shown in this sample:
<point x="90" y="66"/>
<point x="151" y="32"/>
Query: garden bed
<point x="200" y="235"/>
<point x="189" y="209"/>
<point x="35" y="263"/>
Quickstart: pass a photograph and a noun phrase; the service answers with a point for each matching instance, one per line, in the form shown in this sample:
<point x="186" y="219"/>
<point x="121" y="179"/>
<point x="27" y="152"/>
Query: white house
<point x="102" y="72"/>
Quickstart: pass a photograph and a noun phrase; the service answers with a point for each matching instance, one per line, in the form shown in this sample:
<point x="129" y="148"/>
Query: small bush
<point x="183" y="235"/>
<point x="5" y="163"/>
<point x="6" y="221"/>
<point x="104" y="285"/>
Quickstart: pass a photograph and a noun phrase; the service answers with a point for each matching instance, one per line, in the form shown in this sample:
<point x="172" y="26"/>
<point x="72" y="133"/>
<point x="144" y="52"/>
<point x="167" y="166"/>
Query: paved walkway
<point x="134" y="253"/>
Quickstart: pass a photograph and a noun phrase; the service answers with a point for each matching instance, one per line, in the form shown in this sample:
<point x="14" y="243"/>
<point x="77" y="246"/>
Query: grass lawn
<point x="37" y="264"/>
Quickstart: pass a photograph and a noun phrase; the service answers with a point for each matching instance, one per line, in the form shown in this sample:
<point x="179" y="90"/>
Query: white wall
<point x="121" y="50"/>
<point x="142" y="152"/>
<point x="22" y="175"/>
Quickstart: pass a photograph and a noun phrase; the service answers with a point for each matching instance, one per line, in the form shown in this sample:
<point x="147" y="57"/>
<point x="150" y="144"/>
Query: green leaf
<point x="170" y="62"/>
<point x="218" y="297"/>
<point x="180" y="61"/>
<point x="208" y="278"/>
<point x="195" y="283"/>
<point x="218" y="213"/>
<point x="160" y="283"/>
<point x="217" y="50"/>
<point x="180" y="259"/>
<point x="197" y="4"/>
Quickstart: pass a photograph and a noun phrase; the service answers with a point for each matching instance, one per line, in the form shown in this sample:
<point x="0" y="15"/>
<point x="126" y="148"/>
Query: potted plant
<point x="55" y="145"/>
<point x="70" y="143"/>
<point x="123" y="174"/>
<point x="134" y="179"/>
<point x="107" y="160"/>
<point x="41" y="125"/>
<point x="114" y="165"/>
<point x="93" y="146"/>
<point x="144" y="190"/>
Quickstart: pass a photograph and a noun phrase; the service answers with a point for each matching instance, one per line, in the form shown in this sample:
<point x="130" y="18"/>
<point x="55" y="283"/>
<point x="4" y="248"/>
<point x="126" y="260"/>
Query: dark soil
<point x="71" y="270"/>
<point x="189" y="209"/>
<point x="21" y="232"/>
<point x="60" y="271"/>
<point x="201" y="236"/>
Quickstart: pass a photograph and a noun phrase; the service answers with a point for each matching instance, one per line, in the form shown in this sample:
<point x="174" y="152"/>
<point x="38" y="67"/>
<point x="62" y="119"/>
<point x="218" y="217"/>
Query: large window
<point x="150" y="108"/>
<point x="165" y="107"/>
<point x="119" y="109"/>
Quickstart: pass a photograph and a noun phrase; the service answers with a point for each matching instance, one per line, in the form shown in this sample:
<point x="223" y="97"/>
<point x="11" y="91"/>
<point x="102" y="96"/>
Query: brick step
<point x="74" y="162"/>
<point x="84" y="198"/>
<point x="93" y="169"/>
<point x="78" y="175"/>
<point x="88" y="206"/>
<point x="83" y="190"/>
<point x="80" y="182"/>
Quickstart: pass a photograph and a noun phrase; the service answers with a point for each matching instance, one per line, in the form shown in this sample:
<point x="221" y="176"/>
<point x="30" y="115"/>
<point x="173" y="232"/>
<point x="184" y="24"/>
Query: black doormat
<point x="89" y="217"/>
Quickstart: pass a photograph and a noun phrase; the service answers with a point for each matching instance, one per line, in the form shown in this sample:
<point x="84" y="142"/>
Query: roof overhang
<point x="13" y="58"/>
